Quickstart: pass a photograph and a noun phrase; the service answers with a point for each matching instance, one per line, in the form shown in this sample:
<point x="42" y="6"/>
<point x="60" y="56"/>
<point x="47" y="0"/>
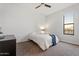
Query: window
<point x="68" y="24"/>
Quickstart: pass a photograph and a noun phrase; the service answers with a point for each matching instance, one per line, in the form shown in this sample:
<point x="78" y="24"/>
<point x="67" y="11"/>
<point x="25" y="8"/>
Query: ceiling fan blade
<point x="47" y="5"/>
<point x="39" y="6"/>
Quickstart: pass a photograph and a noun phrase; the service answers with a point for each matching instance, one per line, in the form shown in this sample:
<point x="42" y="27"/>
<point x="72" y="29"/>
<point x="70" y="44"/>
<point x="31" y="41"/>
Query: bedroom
<point x="22" y="19"/>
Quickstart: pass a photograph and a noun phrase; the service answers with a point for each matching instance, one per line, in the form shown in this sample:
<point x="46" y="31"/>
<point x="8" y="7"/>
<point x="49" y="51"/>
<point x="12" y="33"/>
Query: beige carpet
<point x="61" y="49"/>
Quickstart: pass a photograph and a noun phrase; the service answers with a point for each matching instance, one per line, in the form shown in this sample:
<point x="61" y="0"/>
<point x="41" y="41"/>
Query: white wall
<point x="55" y="22"/>
<point x="19" y="19"/>
<point x="1" y="17"/>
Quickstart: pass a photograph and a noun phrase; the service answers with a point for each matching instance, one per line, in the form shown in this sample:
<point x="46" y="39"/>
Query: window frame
<point x="67" y="24"/>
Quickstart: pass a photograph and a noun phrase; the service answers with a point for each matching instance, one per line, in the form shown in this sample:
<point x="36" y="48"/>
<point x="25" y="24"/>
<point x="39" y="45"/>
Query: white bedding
<point x="43" y="40"/>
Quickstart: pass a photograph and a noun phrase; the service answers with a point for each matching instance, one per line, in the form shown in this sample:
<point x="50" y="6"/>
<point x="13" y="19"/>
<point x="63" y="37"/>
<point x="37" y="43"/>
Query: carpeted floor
<point x="61" y="49"/>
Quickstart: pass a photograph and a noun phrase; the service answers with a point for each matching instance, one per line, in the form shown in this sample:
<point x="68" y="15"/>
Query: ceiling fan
<point x="46" y="5"/>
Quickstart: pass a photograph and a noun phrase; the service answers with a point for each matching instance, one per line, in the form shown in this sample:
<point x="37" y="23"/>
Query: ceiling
<point x="54" y="7"/>
<point x="43" y="10"/>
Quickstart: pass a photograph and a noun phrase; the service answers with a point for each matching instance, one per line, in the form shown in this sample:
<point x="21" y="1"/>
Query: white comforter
<point x="43" y="40"/>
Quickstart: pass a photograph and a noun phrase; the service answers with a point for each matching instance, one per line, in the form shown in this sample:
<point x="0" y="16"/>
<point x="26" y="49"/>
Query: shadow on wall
<point x="25" y="38"/>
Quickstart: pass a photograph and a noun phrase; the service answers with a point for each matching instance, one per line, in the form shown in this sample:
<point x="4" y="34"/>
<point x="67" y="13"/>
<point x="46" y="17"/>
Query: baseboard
<point x="69" y="43"/>
<point x="21" y="41"/>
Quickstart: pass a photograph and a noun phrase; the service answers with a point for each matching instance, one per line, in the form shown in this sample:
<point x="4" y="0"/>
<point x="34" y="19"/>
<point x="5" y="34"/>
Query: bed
<point x="42" y="39"/>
